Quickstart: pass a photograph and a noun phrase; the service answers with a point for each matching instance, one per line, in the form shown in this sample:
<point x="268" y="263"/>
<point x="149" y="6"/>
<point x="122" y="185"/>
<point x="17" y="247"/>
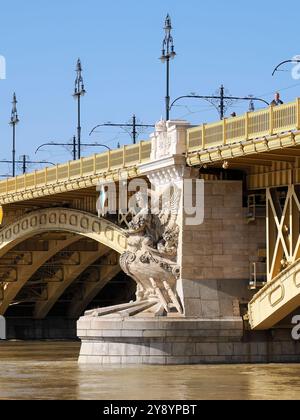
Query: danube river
<point x="48" y="370"/>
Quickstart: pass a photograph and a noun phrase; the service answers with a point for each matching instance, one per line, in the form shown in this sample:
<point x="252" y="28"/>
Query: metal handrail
<point x="252" y="125"/>
<point x="126" y="157"/>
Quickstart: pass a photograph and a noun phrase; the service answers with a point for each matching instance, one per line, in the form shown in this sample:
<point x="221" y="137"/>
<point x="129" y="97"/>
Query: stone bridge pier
<point x="190" y="258"/>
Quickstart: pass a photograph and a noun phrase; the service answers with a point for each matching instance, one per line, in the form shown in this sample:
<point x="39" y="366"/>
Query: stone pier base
<point x="180" y="341"/>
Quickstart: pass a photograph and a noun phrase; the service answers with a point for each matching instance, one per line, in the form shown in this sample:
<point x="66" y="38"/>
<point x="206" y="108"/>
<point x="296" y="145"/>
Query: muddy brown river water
<point x="49" y="370"/>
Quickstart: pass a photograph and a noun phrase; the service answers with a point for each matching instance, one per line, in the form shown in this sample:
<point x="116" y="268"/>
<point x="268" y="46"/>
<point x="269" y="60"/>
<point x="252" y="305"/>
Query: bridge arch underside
<point x="59" y="274"/>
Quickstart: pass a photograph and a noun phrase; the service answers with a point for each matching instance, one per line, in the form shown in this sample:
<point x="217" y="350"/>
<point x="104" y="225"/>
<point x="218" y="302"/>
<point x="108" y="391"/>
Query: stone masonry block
<point x="210" y="308"/>
<point x="191" y="288"/>
<point x="208" y="290"/>
<point x="233" y="201"/>
<point x="116" y="349"/>
<point x="207" y="349"/>
<point x="193" y="307"/>
<point x="101" y="349"/>
<point x="202" y="237"/>
<point x="177" y="360"/>
<point x="160" y="349"/>
<point x="155" y="360"/>
<point x="208" y="226"/>
<point x="199" y="261"/>
<point x="214" y="201"/>
<point x="86" y="348"/>
<point x="187" y="272"/>
<point x="183" y="349"/>
<point x="222" y="213"/>
<point x="225" y="349"/>
<point x="213" y="273"/>
<point x="222" y="260"/>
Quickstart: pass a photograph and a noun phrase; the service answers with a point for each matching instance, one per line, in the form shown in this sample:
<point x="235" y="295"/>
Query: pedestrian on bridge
<point x="276" y="101"/>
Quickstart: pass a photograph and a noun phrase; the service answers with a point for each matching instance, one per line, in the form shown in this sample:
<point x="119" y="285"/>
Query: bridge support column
<point x="214" y="269"/>
<point x="216" y="254"/>
<point x="192" y="272"/>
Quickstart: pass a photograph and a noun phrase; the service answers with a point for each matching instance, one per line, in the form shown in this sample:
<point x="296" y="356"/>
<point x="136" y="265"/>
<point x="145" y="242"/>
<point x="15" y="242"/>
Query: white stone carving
<point x="164" y="177"/>
<point x="151" y="258"/>
<point x="169" y="139"/>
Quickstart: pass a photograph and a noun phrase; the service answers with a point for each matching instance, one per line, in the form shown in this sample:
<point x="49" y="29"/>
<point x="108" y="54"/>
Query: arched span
<point x="64" y="220"/>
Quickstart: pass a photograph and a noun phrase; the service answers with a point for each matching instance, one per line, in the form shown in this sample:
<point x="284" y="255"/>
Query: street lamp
<point x="168" y="52"/>
<point x="14" y="120"/>
<point x="79" y="91"/>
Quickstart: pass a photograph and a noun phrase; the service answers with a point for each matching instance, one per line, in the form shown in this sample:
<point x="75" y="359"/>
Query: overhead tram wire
<point x="73" y="146"/>
<point x="134" y="125"/>
<point x="279" y="90"/>
<point x="221" y="100"/>
<point x="284" y="62"/>
<point x="24" y="162"/>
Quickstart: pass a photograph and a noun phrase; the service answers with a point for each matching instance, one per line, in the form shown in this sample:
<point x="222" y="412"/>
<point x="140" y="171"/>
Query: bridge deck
<point x="86" y="169"/>
<point x="254" y="139"/>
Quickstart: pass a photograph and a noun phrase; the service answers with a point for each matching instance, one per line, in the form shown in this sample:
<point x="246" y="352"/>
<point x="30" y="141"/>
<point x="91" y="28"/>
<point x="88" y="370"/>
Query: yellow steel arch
<point x="65" y="220"/>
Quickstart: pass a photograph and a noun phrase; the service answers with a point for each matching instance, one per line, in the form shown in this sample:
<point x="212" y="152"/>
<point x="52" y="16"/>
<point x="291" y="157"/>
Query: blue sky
<point x="235" y="43"/>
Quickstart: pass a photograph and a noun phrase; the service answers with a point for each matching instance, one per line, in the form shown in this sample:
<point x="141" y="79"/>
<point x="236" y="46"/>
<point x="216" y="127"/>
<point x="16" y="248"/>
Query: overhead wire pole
<point x="134" y="132"/>
<point x="222" y="106"/>
<point x="24" y="162"/>
<point x="222" y="98"/>
<point x="74" y="147"/>
<point x="60" y="144"/>
<point x="79" y="91"/>
<point x="73" y="144"/>
<point x="134" y="125"/>
<point x="14" y="120"/>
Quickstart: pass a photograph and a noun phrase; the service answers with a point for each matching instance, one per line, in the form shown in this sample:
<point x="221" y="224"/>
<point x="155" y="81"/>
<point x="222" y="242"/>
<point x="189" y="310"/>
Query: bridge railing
<point x="252" y="125"/>
<point x="97" y="164"/>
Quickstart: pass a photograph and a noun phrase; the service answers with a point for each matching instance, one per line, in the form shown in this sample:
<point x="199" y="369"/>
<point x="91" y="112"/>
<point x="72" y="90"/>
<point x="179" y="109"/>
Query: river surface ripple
<point x="49" y="370"/>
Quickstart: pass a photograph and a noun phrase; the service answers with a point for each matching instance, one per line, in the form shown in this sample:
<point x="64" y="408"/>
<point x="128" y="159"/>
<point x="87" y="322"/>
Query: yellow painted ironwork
<point x="252" y="125"/>
<point x="231" y="132"/>
<point x="98" y="164"/>
<point x="276" y="300"/>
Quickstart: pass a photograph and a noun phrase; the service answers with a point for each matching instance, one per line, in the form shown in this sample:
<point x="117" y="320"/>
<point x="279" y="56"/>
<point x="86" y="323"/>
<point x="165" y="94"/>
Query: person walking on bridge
<point x="276" y="101"/>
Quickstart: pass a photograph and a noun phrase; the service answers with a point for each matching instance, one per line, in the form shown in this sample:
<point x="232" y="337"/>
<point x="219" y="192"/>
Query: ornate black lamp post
<point x="79" y="91"/>
<point x="168" y="53"/>
<point x="14" y="120"/>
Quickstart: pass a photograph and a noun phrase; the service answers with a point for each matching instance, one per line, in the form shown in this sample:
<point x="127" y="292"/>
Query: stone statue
<point x="100" y="205"/>
<point x="151" y="259"/>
